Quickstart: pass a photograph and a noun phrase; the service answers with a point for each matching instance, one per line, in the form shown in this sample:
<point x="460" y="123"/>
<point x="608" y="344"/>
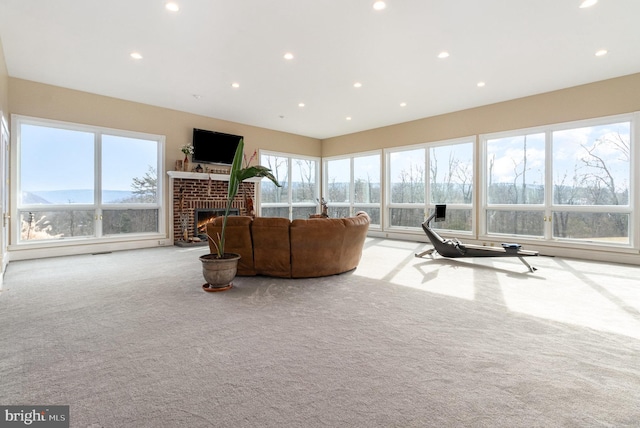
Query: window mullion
<point x="352" y="186"/>
<point x="97" y="177"/>
<point x="548" y="185"/>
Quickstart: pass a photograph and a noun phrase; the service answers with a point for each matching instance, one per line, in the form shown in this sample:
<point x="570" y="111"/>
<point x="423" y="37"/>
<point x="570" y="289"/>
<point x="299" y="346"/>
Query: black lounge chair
<point x="453" y="248"/>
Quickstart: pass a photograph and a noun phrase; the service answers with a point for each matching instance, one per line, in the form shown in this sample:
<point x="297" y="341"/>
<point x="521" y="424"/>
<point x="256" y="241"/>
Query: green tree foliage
<point x="145" y="189"/>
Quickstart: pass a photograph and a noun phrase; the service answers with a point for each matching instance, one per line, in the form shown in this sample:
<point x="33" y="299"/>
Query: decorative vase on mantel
<point x="185" y="163"/>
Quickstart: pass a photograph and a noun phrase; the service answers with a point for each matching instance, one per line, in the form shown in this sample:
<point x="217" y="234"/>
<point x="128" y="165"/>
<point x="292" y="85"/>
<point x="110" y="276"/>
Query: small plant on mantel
<point x="237" y="175"/>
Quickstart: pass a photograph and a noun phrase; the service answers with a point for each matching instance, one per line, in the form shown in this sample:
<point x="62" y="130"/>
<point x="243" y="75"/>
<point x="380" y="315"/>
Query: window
<point x="338" y="185"/>
<point x="353" y="184"/>
<point x="422" y="176"/>
<point x="79" y="181"/>
<point x="564" y="182"/>
<point x="515" y="173"/>
<point x="451" y="183"/>
<point x="407" y="187"/>
<point x="367" y="193"/>
<point x="298" y="196"/>
<point x="591" y="183"/>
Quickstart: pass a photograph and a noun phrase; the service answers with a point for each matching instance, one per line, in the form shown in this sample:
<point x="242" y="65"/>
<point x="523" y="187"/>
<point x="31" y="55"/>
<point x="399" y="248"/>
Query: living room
<point x="122" y="332"/>
<point x="573" y="104"/>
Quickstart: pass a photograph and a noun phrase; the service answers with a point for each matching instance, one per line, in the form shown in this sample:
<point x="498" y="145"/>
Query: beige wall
<point x="614" y="96"/>
<point x="52" y="102"/>
<point x="4" y="85"/>
<point x="605" y="98"/>
<point x="608" y="97"/>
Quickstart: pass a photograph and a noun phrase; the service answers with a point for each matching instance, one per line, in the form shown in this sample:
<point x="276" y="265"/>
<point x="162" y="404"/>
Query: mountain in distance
<point x="75" y="196"/>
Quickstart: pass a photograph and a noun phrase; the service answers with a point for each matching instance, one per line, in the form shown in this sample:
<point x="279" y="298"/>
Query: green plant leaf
<point x="257" y="171"/>
<point x="236" y="167"/>
<point x="237" y="174"/>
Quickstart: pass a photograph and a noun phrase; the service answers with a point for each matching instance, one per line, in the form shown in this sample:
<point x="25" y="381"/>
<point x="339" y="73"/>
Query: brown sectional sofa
<point x="302" y="248"/>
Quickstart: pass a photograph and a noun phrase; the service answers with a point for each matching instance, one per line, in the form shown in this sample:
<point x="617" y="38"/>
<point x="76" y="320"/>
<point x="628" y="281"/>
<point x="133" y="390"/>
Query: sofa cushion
<point x="271" y="246"/>
<point x="237" y="240"/>
<point x="355" y="234"/>
<point x="316" y="247"/>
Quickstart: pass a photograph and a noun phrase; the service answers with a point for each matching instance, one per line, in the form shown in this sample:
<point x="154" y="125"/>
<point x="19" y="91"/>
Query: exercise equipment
<point x="453" y="248"/>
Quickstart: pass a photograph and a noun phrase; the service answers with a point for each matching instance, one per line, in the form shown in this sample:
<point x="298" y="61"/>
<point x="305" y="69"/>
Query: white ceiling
<point x="517" y="47"/>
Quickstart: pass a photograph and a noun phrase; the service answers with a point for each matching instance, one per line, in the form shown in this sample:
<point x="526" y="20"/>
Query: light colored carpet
<point x="129" y="339"/>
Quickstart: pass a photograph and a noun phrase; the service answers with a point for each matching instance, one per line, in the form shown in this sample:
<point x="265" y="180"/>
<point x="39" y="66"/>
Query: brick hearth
<point x="191" y="191"/>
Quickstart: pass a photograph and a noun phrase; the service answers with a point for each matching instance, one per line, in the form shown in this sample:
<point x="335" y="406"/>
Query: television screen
<point x="214" y="147"/>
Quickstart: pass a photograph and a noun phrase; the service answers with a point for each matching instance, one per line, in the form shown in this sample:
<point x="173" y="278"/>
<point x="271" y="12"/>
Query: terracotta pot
<point x="219" y="272"/>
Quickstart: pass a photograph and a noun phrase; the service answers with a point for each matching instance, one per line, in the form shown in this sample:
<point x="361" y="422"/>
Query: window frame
<point x="290" y="204"/>
<point x="350" y="204"/>
<point x="428" y="206"/>
<point x="547" y="208"/>
<point x="97" y="206"/>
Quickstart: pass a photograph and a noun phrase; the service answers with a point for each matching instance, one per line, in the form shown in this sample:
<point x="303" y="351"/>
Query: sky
<point x="53" y="152"/>
<point x="47" y="152"/>
<point x="568" y="148"/>
<point x="566" y="145"/>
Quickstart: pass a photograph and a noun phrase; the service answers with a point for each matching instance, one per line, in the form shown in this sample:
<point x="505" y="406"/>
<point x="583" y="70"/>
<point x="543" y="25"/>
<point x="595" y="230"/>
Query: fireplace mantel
<point x="206" y="176"/>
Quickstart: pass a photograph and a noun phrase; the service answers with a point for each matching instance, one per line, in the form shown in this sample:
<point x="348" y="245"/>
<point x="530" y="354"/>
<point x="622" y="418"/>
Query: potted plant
<point x="220" y="268"/>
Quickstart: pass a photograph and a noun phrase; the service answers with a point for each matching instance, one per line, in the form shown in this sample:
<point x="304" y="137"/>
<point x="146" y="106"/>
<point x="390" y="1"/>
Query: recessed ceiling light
<point x="288" y="55"/>
<point x="587" y="3"/>
<point x="481" y="84"/>
<point x="348" y="118"/>
<point x="235" y="85"/>
<point x="300" y="104"/>
<point x="403" y="104"/>
<point x="601" y="52"/>
<point x="379" y="5"/>
<point x="173" y="7"/>
<point x="136" y="55"/>
<point x="443" y="54"/>
<point x="357" y="85"/>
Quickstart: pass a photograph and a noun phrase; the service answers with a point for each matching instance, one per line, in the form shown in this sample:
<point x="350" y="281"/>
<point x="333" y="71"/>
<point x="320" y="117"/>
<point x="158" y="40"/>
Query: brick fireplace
<point x="192" y="192"/>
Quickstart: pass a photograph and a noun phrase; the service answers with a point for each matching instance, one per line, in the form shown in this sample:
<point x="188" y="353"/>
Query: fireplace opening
<point x="203" y="216"/>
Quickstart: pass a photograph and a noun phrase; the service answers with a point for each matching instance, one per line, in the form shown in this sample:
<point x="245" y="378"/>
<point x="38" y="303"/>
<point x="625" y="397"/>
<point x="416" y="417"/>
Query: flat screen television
<point x="214" y="147"/>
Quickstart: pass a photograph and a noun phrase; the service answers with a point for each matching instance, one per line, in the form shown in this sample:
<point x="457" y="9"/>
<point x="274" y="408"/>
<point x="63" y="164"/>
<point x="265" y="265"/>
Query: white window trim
<point x="81" y="245"/>
<point x="547" y="240"/>
<point x="351" y="157"/>
<point x="427" y="205"/>
<point x="289" y="204"/>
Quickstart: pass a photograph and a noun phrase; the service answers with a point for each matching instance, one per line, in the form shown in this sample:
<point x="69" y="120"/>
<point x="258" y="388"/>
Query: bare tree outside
<point x="338" y="181"/>
<point x="515" y="175"/>
<point x="367" y="190"/>
<point x="300" y="189"/>
<point x="454" y="182"/>
<point x="600" y="176"/>
<point x="451" y="182"/>
<point x="591" y="168"/>
<point x="270" y="193"/>
<point x="304" y="188"/>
